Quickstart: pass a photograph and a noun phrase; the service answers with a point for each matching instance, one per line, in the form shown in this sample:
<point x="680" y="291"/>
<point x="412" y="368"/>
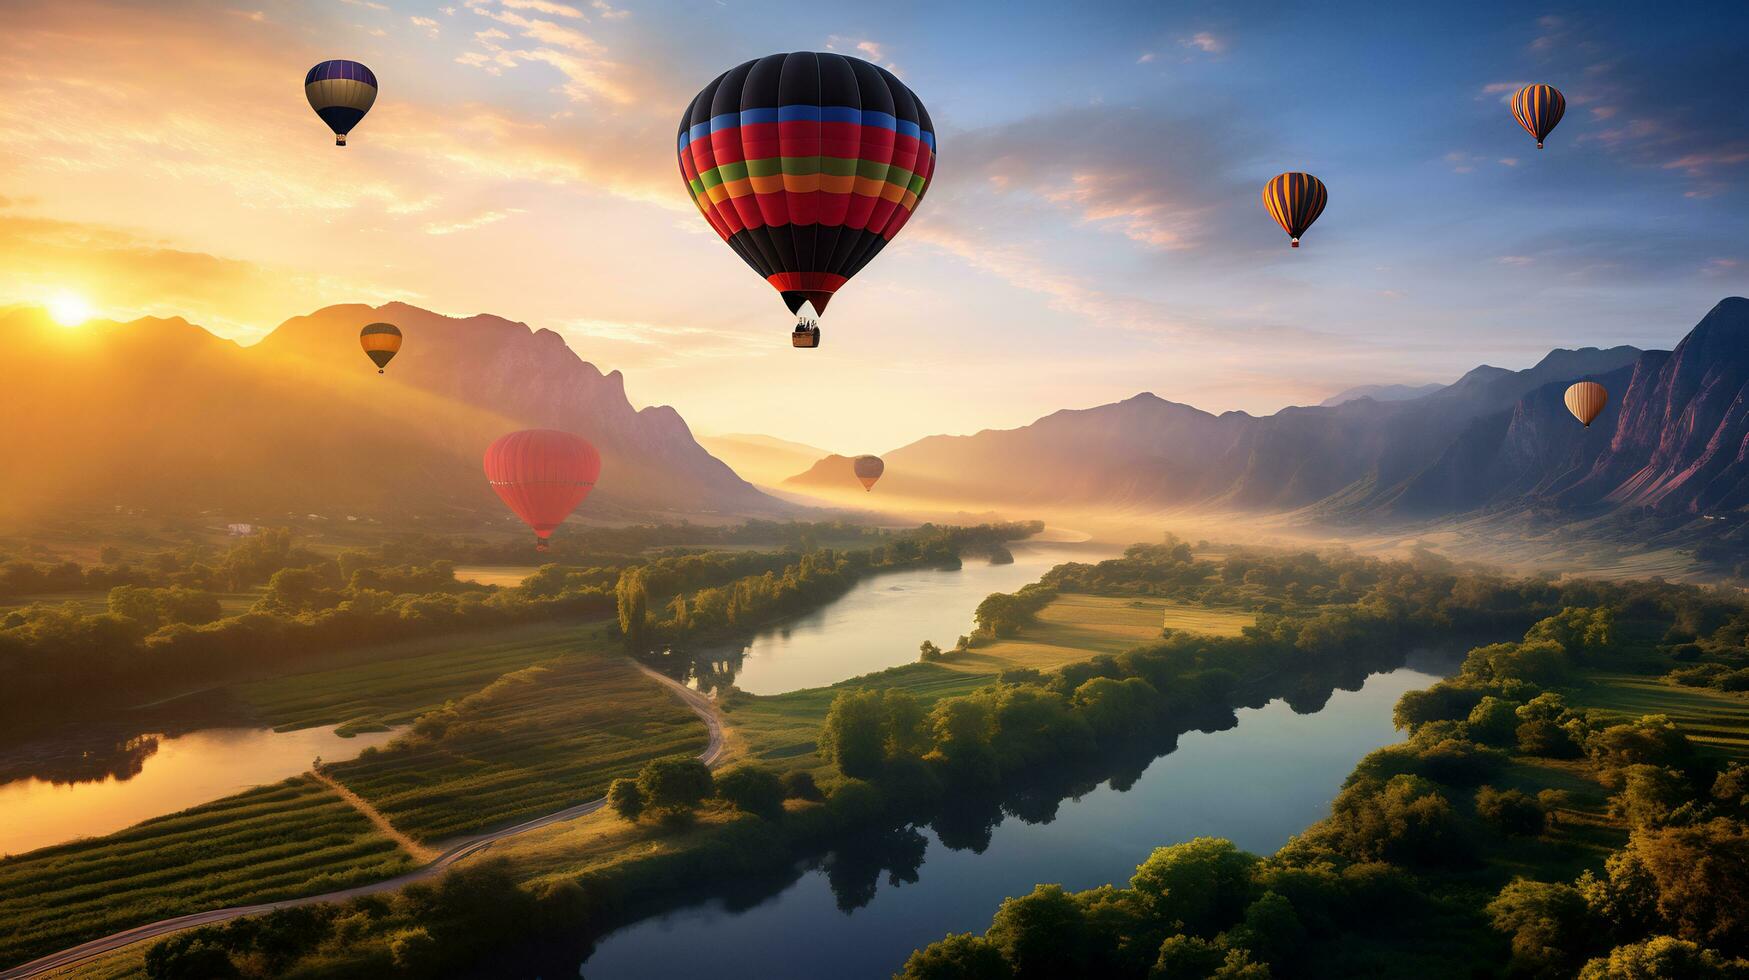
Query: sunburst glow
<point x="70" y="310"/>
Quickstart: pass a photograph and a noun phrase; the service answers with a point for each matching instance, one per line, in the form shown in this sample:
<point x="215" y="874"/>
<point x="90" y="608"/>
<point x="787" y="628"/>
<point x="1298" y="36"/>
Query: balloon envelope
<point x="1295" y="200"/>
<point x="381" y="341"/>
<point x="1586" y="401"/>
<point x="542" y="475"/>
<point x="1539" y="108"/>
<point x="341" y="92"/>
<point x="868" y="470"/>
<point x="807" y="165"/>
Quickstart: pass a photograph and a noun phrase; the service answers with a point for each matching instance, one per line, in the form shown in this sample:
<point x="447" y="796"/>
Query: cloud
<point x="608" y="11"/>
<point x="544" y="7"/>
<point x="589" y="74"/>
<point x="372" y="4"/>
<point x="866" y="48"/>
<point x="1205" y="42"/>
<point x="430" y="26"/>
<point x="477" y="221"/>
<point x="1147" y="58"/>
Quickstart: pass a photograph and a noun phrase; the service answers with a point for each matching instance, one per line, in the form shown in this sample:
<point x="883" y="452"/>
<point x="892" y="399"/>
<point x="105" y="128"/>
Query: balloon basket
<point x="1294" y="244"/>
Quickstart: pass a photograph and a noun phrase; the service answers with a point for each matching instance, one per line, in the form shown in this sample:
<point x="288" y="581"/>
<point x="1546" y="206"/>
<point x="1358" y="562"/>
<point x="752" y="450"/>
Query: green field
<point x="374" y="687"/>
<point x="291" y="838"/>
<point x="532" y="742"/>
<point x="1717" y="721"/>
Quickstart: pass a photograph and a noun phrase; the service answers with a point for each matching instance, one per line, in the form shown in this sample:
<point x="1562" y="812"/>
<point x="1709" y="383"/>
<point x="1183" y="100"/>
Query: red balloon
<point x="542" y="475"/>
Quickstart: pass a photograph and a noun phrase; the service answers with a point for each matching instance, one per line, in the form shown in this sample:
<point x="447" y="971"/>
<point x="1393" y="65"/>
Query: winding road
<point x="84" y="952"/>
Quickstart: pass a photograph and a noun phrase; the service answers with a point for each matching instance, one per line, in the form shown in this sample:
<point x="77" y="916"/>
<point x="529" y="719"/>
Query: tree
<point x="1650" y="796"/>
<point x="957" y="957"/>
<point x="752" y="789"/>
<point x="1117" y="709"/>
<point x="1701" y="873"/>
<point x="1042" y="934"/>
<point x="415" y="952"/>
<point x="798" y="784"/>
<point x="854" y="738"/>
<point x="1204" y="883"/>
<point x="633" y="601"/>
<point x="1549" y="925"/>
<point x="1511" y="811"/>
<point x="1663" y="958"/>
<point x="1494" y="722"/>
<point x="928" y="652"/>
<point x="190" y="956"/>
<point x="906" y="734"/>
<point x="625" y="799"/>
<point x="1201" y="959"/>
<point x="674" y="784"/>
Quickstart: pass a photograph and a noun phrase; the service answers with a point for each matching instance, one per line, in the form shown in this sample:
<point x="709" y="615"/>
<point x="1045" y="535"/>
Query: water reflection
<point x="877" y="624"/>
<point x="94" y="782"/>
<point x="1256" y="774"/>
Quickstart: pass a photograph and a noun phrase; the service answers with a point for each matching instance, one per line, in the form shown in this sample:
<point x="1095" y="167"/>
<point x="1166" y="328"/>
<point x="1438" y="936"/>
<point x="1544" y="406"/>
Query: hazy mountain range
<point x="1672" y="439"/>
<point x="162" y="414"/>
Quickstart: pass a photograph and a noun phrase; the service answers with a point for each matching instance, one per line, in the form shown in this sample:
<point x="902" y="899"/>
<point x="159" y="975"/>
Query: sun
<point x="70" y="310"/>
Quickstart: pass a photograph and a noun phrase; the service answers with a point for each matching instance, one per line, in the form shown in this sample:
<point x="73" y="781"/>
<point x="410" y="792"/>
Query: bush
<point x="957" y="957"/>
<point x="625" y="799"/>
<point x="675" y="784"/>
<point x="1549" y="925"/>
<point x="752" y="789"/>
<point x="799" y="784"/>
<point x="1511" y="811"/>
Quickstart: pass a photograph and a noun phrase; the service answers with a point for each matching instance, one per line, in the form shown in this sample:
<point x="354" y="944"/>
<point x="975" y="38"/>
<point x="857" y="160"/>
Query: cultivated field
<point x="291" y="838"/>
<point x="531" y="742"/>
<point x="1717" y="721"/>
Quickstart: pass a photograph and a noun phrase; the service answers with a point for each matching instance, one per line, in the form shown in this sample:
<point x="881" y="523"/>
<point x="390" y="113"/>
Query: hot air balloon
<point x="868" y="470"/>
<point x="542" y="475"/>
<point x="341" y="92"/>
<point x="807" y="165"/>
<point x="1586" y="400"/>
<point x="1539" y="108"/>
<point x="1295" y="200"/>
<point x="380" y="341"/>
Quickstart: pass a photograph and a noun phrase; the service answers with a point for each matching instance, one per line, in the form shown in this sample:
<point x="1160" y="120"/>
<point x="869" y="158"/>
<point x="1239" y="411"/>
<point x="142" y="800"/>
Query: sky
<point x="1094" y="230"/>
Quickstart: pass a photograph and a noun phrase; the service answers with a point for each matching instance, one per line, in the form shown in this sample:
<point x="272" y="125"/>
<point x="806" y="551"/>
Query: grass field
<point x="780" y="729"/>
<point x="375" y="687"/>
<point x="508" y="576"/>
<point x="291" y="838"/>
<point x="532" y="742"/>
<point x="1717" y="721"/>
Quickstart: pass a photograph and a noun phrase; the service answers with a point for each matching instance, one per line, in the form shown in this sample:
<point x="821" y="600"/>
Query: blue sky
<point x="1095" y="228"/>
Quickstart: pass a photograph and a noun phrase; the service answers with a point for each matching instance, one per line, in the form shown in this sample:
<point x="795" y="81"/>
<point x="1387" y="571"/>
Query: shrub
<point x="1511" y="811"/>
<point x="752" y="789"/>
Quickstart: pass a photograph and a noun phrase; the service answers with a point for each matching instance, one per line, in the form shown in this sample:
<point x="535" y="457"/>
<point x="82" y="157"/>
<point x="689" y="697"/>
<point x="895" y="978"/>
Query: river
<point x="1258" y="783"/>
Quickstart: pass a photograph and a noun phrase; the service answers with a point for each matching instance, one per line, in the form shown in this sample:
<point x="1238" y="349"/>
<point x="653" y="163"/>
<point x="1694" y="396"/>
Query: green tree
<point x="633" y="601"/>
<point x="752" y="789"/>
<point x="928" y="652"/>
<point x="625" y="799"/>
<point x="957" y="957"/>
<point x="1663" y="958"/>
<point x="1042" y="934"/>
<point x="674" y="784"/>
<point x="1549" y="925"/>
<point x="1204" y="883"/>
<point x="798" y="784"/>
<point x="1511" y="811"/>
<point x="854" y="737"/>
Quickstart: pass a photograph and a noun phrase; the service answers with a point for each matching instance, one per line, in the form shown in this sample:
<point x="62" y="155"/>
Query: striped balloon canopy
<point x="1586" y="400"/>
<point x="1295" y="200"/>
<point x="341" y="92"/>
<point x="807" y="165"/>
<point x="1539" y="108"/>
<point x="868" y="469"/>
<point x="381" y="342"/>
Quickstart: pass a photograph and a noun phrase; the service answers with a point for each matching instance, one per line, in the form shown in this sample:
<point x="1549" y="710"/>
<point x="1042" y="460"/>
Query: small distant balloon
<point x="381" y="342"/>
<point x="1586" y="401"/>
<point x="1295" y="200"/>
<point x="1539" y="108"/>
<point x="542" y="475"/>
<point x="868" y="470"/>
<point x="341" y="92"/>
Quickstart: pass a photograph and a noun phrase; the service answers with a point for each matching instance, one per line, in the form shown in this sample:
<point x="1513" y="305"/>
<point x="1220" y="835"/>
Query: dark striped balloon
<point x="1295" y="200"/>
<point x="1539" y="108"/>
<point x="381" y="342"/>
<point x="807" y="165"/>
<point x="341" y="92"/>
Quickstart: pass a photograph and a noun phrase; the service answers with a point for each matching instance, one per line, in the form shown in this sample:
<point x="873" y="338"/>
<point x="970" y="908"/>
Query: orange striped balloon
<point x="1295" y="200"/>
<point x="1586" y="400"/>
<point x="381" y="341"/>
<point x="1539" y="108"/>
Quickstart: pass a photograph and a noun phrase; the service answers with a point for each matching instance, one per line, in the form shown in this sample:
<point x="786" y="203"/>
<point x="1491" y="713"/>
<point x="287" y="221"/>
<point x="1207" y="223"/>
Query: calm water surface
<point x="86" y="793"/>
<point x="1257" y="783"/>
<point x="881" y="621"/>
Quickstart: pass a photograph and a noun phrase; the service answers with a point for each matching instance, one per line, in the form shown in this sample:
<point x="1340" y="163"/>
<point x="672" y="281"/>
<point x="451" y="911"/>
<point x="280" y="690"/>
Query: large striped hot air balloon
<point x="542" y="475"/>
<point x="1586" y="401"/>
<point x="807" y="165"/>
<point x="341" y="92"/>
<point x="1295" y="200"/>
<point x="1538" y="108"/>
<point x="381" y="341"/>
<point x="868" y="470"/>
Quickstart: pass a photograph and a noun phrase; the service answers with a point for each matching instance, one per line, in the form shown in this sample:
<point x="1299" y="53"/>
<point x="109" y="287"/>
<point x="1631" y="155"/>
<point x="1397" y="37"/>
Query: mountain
<point x="1381" y="393"/>
<point x="1673" y="440"/>
<point x="162" y="414"/>
<point x="762" y="459"/>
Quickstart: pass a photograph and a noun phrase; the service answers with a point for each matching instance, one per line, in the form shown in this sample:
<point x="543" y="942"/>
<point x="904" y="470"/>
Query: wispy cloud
<point x="1205" y="42"/>
<point x="466" y="224"/>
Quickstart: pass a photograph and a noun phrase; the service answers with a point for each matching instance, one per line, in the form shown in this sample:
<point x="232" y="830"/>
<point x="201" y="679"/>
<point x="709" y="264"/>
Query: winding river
<point x="1257" y="782"/>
